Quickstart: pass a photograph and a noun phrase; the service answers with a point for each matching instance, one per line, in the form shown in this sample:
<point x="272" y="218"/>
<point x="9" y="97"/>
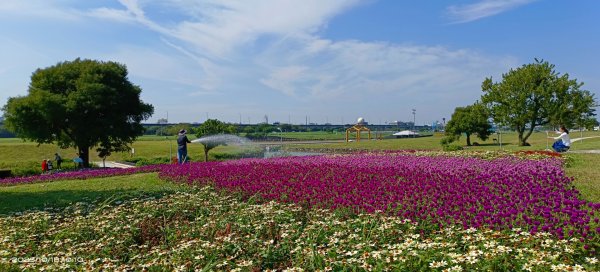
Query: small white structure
<point x="406" y="133"/>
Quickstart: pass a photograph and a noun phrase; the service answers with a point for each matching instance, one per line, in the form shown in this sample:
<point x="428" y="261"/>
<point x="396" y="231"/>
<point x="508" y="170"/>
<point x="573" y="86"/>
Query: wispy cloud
<point x="217" y="28"/>
<point x="276" y="44"/>
<point x="327" y="70"/>
<point x="39" y="9"/>
<point x="482" y="9"/>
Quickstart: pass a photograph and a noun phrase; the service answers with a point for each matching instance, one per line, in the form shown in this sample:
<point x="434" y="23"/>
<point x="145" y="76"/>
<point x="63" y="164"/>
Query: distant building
<point x="162" y="121"/>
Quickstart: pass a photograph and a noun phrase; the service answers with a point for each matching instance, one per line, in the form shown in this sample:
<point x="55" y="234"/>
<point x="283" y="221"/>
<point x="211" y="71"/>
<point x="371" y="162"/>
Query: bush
<point x="452" y="147"/>
<point x="448" y="139"/>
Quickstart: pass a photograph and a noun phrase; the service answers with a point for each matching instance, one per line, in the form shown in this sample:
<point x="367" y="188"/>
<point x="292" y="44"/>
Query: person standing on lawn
<point x="58" y="160"/>
<point x="182" y="141"/>
<point x="44" y="166"/>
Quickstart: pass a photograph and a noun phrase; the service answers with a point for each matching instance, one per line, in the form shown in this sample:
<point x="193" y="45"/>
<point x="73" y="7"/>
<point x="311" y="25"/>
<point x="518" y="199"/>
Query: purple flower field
<point x="81" y="174"/>
<point x="502" y="193"/>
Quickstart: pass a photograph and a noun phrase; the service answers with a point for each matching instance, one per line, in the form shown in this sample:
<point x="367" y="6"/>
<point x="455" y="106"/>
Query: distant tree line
<point x="250" y="131"/>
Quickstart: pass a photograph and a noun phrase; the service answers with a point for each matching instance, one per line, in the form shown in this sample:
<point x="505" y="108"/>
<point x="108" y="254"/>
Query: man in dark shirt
<point x="182" y="142"/>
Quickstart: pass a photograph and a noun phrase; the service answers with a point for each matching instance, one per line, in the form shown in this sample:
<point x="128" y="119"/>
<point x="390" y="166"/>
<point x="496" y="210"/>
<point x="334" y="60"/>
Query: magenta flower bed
<point x="81" y="174"/>
<point x="501" y="193"/>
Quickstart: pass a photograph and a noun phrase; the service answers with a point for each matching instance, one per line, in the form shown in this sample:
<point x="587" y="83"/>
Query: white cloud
<point x="221" y="38"/>
<point x="39" y="9"/>
<point x="283" y="79"/>
<point x="150" y="64"/>
<point x="482" y="9"/>
<point x="217" y="28"/>
<point x="358" y="70"/>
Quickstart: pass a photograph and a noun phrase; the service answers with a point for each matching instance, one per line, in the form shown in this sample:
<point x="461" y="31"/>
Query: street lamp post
<point x="414" y="112"/>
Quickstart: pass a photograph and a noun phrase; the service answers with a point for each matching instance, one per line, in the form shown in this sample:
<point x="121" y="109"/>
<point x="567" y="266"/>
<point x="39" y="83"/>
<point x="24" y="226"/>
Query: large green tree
<point x="536" y="95"/>
<point x="470" y="120"/>
<point x="213" y="127"/>
<point x="81" y="104"/>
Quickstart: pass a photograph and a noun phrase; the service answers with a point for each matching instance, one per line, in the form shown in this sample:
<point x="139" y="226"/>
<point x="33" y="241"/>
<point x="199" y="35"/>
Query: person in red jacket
<point x="44" y="166"/>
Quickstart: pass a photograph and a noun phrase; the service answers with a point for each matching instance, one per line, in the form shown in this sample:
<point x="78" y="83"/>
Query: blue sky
<point x="328" y="60"/>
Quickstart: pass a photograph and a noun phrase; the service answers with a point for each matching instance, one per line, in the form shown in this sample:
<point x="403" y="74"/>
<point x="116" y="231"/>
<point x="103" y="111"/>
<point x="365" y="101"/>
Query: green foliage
<point x="448" y="139"/>
<point x="535" y="95"/>
<point x="174" y="129"/>
<point x="213" y="127"/>
<point x="473" y="119"/>
<point x="82" y="104"/>
<point x="452" y="147"/>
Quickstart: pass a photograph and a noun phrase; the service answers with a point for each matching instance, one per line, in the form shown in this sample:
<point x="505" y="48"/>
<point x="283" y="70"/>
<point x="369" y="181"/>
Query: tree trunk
<point x="521" y="139"/>
<point x="529" y="131"/>
<point x="84" y="154"/>
<point x="468" y="139"/>
<point x="206" y="154"/>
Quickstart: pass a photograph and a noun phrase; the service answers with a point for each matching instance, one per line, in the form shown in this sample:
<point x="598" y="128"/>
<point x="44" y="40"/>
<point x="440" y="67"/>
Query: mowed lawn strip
<point x="509" y="140"/>
<point x="585" y="168"/>
<point x="63" y="193"/>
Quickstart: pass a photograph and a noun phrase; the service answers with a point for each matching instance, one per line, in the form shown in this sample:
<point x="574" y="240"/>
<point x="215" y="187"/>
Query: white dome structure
<point x="360" y="120"/>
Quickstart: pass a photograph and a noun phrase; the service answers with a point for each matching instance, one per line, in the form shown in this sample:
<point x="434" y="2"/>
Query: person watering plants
<point x="563" y="141"/>
<point x="182" y="142"/>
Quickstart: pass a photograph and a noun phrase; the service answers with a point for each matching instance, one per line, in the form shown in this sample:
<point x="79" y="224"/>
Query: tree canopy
<point x="82" y="104"/>
<point x="212" y="127"/>
<point x="536" y="95"/>
<point x="470" y="120"/>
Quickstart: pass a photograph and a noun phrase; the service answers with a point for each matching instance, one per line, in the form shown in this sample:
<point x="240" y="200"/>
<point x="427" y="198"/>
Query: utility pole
<point x="414" y="112"/>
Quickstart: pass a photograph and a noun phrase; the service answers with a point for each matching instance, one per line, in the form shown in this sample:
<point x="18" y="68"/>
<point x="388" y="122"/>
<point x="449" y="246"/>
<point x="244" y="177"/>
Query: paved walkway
<point x="579" y="139"/>
<point x="584" y="151"/>
<point x="112" y="164"/>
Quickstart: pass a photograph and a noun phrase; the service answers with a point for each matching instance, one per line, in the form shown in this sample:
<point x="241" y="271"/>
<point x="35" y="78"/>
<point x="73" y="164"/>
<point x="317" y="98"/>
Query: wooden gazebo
<point x="358" y="128"/>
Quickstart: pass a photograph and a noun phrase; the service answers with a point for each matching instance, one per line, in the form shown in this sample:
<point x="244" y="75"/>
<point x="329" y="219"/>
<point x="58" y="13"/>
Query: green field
<point x="25" y="157"/>
<point x="509" y="142"/>
<point x="67" y="192"/>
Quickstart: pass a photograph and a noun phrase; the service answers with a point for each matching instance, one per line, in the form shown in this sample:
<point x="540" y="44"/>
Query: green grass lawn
<point x="63" y="193"/>
<point x="537" y="140"/>
<point x="26" y="157"/>
<point x="586" y="171"/>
